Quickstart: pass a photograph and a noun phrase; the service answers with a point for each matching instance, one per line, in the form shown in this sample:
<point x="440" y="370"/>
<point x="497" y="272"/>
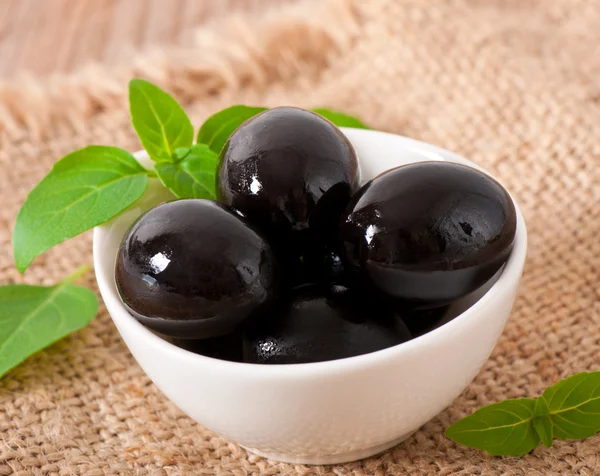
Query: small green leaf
<point x="160" y="122"/>
<point x="340" y="119"/>
<point x="218" y="127"/>
<point x="193" y="176"/>
<point x="542" y="422"/>
<point x="33" y="317"/>
<point x="574" y="406"/>
<point x="84" y="189"/>
<point x="504" y="428"/>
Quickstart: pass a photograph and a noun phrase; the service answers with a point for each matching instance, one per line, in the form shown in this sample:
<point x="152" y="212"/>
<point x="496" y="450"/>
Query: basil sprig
<point x="569" y="409"/>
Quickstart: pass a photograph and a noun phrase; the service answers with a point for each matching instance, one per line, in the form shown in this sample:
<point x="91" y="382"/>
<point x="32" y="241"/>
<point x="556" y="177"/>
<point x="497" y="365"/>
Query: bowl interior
<point x="377" y="152"/>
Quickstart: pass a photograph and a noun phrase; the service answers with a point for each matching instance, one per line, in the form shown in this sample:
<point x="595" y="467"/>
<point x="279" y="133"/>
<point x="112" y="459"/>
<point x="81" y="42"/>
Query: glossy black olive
<point x="292" y="173"/>
<point x="428" y="232"/>
<point x="319" y="324"/>
<point x="227" y="347"/>
<point x="194" y="269"/>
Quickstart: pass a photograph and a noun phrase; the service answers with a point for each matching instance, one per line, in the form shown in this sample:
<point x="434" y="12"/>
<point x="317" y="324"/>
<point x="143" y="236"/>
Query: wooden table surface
<point x="48" y="36"/>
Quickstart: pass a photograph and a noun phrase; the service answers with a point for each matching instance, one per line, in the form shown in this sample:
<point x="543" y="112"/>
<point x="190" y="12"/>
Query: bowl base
<point x="330" y="459"/>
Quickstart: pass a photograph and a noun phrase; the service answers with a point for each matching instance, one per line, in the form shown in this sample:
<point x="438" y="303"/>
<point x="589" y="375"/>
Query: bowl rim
<point x="510" y="275"/>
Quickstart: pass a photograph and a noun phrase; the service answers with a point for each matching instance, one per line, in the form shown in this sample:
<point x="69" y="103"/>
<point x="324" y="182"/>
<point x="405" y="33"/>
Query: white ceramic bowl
<point x="327" y="412"/>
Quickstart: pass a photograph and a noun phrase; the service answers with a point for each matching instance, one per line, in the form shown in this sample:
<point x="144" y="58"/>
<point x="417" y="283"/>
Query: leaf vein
<point x="479" y="430"/>
<point x="52" y="215"/>
<point x="55" y="292"/>
<point x="160" y="124"/>
<point x="585" y="402"/>
<point x="571" y="422"/>
<point x="571" y="392"/>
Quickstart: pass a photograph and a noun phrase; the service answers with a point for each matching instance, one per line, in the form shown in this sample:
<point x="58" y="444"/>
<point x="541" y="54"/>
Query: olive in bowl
<point x="428" y="233"/>
<point x="194" y="269"/>
<point x="318" y="323"/>
<point x="324" y="412"/>
<point x="291" y="172"/>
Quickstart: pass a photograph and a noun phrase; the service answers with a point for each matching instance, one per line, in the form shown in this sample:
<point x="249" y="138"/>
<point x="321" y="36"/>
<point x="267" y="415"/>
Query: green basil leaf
<point x="160" y="122"/>
<point x="218" y="127"/>
<point x="340" y="119"/>
<point x="542" y="422"/>
<point x="574" y="406"/>
<point x="504" y="428"/>
<point x="33" y="317"/>
<point x="193" y="176"/>
<point x="84" y="189"/>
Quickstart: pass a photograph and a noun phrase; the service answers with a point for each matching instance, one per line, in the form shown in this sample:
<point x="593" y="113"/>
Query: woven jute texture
<point x="512" y="84"/>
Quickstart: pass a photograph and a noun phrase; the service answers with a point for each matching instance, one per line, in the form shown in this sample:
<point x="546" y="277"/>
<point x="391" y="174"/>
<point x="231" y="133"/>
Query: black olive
<point x="292" y="173"/>
<point x="194" y="269"/>
<point x="319" y="324"/>
<point x="428" y="232"/>
<point x="227" y="347"/>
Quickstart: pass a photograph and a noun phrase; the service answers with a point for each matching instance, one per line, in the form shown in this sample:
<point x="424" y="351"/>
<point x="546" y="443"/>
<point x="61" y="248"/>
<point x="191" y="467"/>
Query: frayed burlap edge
<point x="235" y="52"/>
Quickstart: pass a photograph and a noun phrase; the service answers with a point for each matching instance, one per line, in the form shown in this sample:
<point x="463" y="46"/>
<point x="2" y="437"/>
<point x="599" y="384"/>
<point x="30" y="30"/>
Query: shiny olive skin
<point x="194" y="269"/>
<point x="428" y="232"/>
<point x="318" y="324"/>
<point x="292" y="173"/>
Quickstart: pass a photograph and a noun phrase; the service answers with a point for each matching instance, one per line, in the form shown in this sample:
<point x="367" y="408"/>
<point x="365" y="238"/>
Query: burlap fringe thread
<point x="235" y="53"/>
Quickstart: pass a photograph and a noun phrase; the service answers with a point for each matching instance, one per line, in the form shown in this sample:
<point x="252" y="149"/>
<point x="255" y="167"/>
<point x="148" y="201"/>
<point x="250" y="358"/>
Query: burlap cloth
<point x="513" y="85"/>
